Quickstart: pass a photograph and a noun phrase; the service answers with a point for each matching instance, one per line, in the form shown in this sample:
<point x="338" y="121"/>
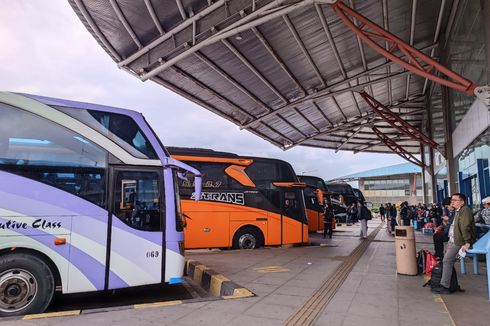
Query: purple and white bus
<point x="88" y="202"/>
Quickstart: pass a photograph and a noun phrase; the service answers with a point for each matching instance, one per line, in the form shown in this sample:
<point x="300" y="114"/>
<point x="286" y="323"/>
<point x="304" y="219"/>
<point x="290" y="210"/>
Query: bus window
<point x="292" y="204"/>
<point x="118" y="127"/>
<point x="137" y="197"/>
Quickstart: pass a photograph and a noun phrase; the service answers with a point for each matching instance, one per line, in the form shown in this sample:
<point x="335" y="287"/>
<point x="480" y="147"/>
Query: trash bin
<point x="406" y="261"/>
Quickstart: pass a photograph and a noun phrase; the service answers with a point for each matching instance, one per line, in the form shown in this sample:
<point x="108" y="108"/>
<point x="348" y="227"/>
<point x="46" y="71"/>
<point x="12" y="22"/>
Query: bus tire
<point x="248" y="237"/>
<point x="26" y="285"/>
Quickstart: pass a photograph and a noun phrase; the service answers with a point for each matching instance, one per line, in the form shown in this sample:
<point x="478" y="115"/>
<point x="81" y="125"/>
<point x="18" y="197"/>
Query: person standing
<point x="393" y="214"/>
<point x="461" y="237"/>
<point x="443" y="236"/>
<point x="328" y="217"/>
<point x="364" y="216"/>
<point x="382" y="212"/>
<point x="404" y="214"/>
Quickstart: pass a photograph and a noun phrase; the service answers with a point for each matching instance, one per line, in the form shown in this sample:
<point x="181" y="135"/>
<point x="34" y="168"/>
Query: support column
<point x="448" y="135"/>
<point x="430" y="164"/>
<point x="486" y="13"/>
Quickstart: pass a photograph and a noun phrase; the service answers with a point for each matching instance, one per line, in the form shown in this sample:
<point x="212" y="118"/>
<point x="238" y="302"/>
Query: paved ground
<point x="284" y="278"/>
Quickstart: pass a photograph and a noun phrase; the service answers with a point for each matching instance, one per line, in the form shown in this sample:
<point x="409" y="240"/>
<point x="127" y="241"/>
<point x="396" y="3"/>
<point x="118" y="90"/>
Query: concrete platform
<point x="284" y="278"/>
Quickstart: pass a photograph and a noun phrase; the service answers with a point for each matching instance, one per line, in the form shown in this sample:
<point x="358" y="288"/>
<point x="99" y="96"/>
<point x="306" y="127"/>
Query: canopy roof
<point x="403" y="168"/>
<point x="288" y="71"/>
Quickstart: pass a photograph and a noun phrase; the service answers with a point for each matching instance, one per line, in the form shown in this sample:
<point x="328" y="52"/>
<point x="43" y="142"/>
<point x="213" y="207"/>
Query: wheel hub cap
<point x="17" y="289"/>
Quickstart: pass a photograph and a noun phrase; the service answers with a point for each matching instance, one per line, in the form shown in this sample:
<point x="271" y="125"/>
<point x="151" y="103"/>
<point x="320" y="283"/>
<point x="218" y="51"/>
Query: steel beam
<point x="330" y="91"/>
<point x="396" y="148"/>
<point x="321" y="112"/>
<point x="338" y="107"/>
<point x="412" y="34"/>
<point x="181" y="9"/>
<point x="350" y="124"/>
<point x="397" y="122"/>
<point x="306" y="119"/>
<point x="258" y="17"/>
<point x="95" y="28"/>
<point x="231" y="80"/>
<point x="125" y="23"/>
<point x="220" y="97"/>
<point x="368" y="31"/>
<point x="387" y="47"/>
<point x="436" y="36"/>
<point x="361" y="49"/>
<point x="254" y="70"/>
<point x="301" y="45"/>
<point x="274" y="55"/>
<point x="171" y="33"/>
<point x="349" y="138"/>
<point x="292" y="126"/>
<point x="154" y="17"/>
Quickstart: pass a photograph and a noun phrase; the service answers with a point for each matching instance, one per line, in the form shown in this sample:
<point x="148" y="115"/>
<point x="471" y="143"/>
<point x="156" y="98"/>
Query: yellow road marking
<point x="157" y="304"/>
<point x="271" y="269"/>
<point x="52" y="314"/>
<point x="439" y="299"/>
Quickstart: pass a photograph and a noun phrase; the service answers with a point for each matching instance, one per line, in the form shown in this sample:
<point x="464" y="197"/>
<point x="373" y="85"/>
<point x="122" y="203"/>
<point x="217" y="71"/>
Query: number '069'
<point x="152" y="254"/>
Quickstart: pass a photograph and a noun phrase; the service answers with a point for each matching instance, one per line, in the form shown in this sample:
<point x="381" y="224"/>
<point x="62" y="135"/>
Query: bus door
<point x="136" y="236"/>
<point x="292" y="215"/>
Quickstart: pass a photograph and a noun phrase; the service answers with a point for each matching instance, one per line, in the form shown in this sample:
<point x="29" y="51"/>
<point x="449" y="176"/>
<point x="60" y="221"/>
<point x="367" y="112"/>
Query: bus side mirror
<point x="197" y="187"/>
<point x="319" y="196"/>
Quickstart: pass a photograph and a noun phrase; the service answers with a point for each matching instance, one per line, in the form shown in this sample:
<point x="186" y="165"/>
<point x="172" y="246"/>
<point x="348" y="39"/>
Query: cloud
<point x="46" y="50"/>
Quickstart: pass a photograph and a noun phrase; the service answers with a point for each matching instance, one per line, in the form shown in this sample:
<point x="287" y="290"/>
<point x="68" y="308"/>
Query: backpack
<point x="421" y="262"/>
<point x="435" y="280"/>
<point x="366" y="213"/>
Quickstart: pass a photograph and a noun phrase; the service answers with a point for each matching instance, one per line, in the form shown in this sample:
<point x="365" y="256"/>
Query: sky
<point x="46" y="50"/>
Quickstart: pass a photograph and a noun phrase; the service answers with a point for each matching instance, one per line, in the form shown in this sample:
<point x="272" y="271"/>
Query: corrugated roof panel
<point x="245" y="76"/>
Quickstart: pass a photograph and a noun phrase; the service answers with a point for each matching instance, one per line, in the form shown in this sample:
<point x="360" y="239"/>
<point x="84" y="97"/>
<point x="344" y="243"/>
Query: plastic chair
<point x="481" y="247"/>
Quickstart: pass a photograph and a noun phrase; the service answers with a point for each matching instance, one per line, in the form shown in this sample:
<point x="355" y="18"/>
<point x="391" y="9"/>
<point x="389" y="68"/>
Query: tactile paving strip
<point x="311" y="309"/>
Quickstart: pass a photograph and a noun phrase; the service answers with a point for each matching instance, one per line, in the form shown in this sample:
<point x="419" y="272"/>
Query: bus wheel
<point x="247" y="238"/>
<point x="26" y="285"/>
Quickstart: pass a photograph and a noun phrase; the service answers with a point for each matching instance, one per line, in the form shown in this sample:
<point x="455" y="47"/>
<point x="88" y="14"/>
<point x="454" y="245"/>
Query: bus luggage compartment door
<point x="207" y="226"/>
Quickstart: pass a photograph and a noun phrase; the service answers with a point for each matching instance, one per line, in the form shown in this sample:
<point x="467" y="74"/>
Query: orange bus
<point x="314" y="206"/>
<point x="246" y="202"/>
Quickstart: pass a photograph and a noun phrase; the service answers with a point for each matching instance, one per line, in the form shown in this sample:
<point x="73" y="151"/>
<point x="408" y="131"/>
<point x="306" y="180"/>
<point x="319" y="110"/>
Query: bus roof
<point x="206" y="152"/>
<point x="51" y="101"/>
<point x="188" y="151"/>
<point x="309" y="179"/>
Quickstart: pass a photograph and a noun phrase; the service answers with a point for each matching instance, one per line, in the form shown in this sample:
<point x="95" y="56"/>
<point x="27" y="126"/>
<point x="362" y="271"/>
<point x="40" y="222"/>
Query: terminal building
<point x="391" y="184"/>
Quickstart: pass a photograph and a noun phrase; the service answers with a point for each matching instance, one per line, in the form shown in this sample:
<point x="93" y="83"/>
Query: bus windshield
<point x="118" y="127"/>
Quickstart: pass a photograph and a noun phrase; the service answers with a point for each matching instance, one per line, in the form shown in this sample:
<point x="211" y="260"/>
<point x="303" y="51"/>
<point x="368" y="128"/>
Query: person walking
<point x="462" y="234"/>
<point x="382" y="212"/>
<point x="328" y="217"/>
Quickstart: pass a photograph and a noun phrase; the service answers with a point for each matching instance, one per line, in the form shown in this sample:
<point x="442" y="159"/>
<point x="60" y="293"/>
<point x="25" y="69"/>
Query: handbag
<point x="430" y="261"/>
